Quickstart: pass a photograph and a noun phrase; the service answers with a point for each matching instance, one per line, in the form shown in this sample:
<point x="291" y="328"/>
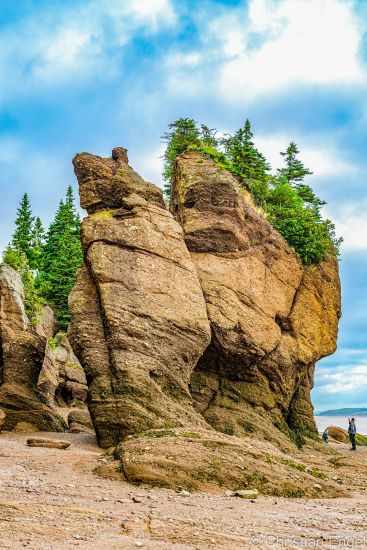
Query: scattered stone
<point x="247" y="494"/>
<point x="49" y="443"/>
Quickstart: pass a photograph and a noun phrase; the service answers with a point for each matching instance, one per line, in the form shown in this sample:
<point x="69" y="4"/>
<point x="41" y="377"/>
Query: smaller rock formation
<point x="79" y="421"/>
<point x="338" y="434"/>
<point x="22" y="351"/>
<point x="62" y="382"/>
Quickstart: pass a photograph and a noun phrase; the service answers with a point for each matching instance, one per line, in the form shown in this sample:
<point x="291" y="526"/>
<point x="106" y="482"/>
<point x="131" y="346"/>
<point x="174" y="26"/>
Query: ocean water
<point x="323" y="422"/>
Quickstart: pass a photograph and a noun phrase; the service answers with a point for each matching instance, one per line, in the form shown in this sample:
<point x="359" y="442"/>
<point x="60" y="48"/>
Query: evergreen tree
<point x="182" y="134"/>
<point x="289" y="204"/>
<point x="241" y="151"/>
<point x="247" y="162"/>
<point x="208" y="136"/>
<point x="22" y="238"/>
<point x="37" y="243"/>
<point x="62" y="256"/>
<point x="294" y="171"/>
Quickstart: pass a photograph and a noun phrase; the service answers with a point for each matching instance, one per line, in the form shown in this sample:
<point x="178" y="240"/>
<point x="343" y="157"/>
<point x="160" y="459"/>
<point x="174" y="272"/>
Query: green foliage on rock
<point x="33" y="300"/>
<point x="288" y="202"/>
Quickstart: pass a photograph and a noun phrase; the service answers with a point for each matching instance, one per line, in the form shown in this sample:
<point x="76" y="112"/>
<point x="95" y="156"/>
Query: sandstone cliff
<point x="194" y="327"/>
<point x="271" y="319"/>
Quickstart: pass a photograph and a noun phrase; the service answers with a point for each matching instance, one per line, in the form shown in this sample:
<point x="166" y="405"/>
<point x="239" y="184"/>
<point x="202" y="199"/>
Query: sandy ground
<point x="51" y="499"/>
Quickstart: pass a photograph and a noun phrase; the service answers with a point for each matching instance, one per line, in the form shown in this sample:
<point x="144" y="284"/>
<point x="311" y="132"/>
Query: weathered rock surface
<point x="139" y="322"/>
<point x="271" y="319"/>
<point x="62" y="380"/>
<point x="145" y="306"/>
<point x="46" y="323"/>
<point x="22" y="351"/>
<point x="2" y="418"/>
<point x="79" y="421"/>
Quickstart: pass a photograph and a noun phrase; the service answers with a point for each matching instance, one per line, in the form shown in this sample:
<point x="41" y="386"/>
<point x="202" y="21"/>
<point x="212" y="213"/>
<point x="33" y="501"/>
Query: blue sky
<point x="87" y="75"/>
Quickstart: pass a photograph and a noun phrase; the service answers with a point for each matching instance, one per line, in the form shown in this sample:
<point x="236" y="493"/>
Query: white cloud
<point x="300" y="42"/>
<point x="149" y="164"/>
<point x="323" y="161"/>
<point x="178" y="59"/>
<point x="230" y="29"/>
<point x="342" y="380"/>
<point x="74" y="44"/>
<point x="155" y="12"/>
<point x="351" y="222"/>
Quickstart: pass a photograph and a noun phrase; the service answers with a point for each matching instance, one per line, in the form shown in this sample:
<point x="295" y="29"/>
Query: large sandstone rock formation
<point x="196" y="329"/>
<point x="139" y="322"/>
<point x="271" y="318"/>
<point x="22" y="351"/>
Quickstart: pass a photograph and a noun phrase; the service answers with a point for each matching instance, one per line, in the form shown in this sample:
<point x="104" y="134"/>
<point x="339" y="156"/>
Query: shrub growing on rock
<point x="288" y="202"/>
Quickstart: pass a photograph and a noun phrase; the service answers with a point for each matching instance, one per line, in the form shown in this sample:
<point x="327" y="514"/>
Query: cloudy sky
<point x="87" y="75"/>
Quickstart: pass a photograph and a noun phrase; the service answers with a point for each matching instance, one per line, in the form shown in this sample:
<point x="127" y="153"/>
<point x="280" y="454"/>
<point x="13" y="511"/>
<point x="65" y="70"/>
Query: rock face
<point x="22" y="351"/>
<point x="139" y="321"/>
<point x="2" y="419"/>
<point x="271" y="319"/>
<point x="62" y="380"/>
<point x="194" y="326"/>
<point x="46" y="324"/>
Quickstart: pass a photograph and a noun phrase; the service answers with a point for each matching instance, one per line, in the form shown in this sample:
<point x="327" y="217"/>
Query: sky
<point x="88" y="75"/>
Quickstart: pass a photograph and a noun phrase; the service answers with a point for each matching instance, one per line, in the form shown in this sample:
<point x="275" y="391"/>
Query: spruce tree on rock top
<point x="294" y="171"/>
<point x="22" y="238"/>
<point x="37" y="243"/>
<point x="62" y="256"/>
<point x="182" y="133"/>
<point x="247" y="162"/>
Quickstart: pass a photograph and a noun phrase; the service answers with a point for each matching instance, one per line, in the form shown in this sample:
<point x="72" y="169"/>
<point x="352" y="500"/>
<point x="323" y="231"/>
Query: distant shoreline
<point x="357" y="411"/>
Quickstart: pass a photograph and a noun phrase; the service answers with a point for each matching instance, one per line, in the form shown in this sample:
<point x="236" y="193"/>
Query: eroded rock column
<point x="139" y="321"/>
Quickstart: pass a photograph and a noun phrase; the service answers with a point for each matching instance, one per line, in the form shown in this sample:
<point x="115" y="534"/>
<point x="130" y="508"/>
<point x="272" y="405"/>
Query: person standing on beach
<point x="352" y="431"/>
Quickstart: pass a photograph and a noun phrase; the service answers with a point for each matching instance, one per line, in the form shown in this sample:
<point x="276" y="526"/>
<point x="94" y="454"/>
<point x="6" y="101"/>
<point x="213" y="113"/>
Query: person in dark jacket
<point x="325" y="436"/>
<point x="352" y="431"/>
